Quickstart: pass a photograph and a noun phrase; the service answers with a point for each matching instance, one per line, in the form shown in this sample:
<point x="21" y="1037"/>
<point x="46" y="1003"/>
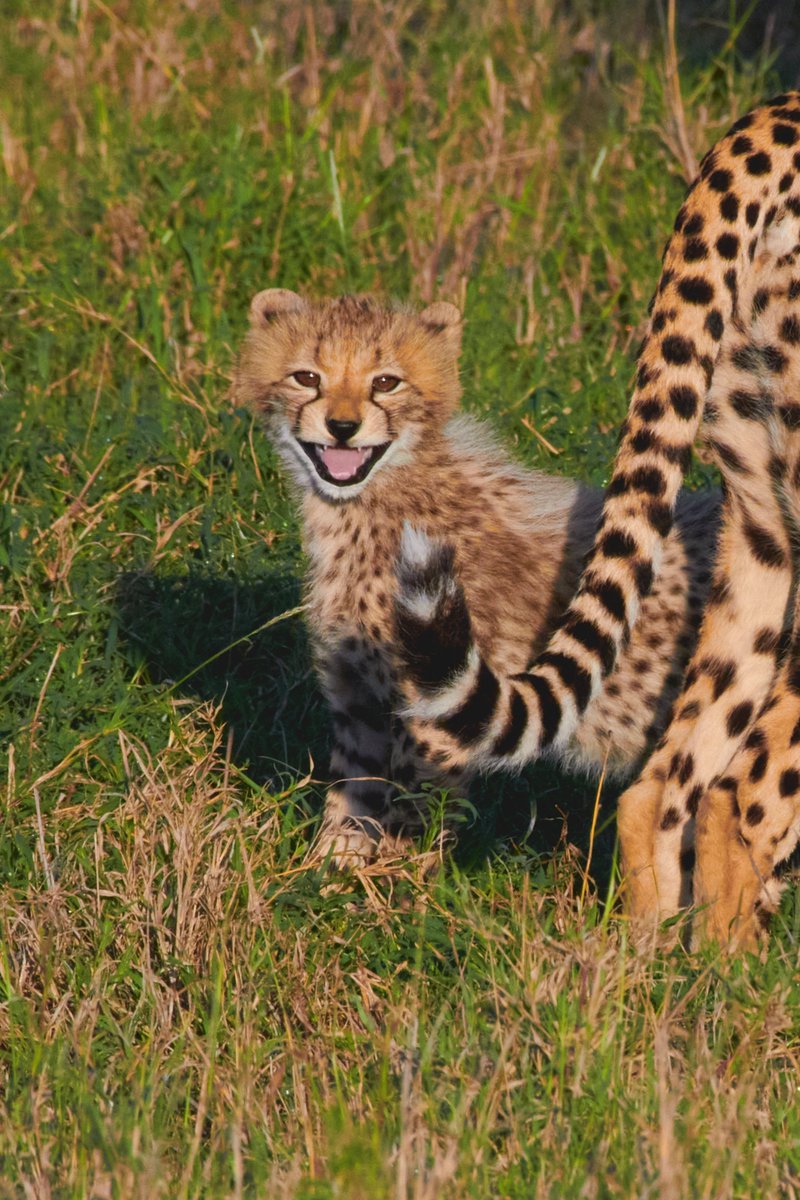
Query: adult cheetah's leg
<point x="734" y="663"/>
<point x="752" y="417"/>
<point x="750" y="822"/>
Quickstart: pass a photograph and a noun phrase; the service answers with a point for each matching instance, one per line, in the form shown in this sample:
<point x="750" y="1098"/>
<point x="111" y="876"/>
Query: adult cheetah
<point x="722" y="346"/>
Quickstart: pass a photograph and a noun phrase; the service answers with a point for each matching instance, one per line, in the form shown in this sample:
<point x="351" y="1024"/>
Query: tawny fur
<point x="724" y="344"/>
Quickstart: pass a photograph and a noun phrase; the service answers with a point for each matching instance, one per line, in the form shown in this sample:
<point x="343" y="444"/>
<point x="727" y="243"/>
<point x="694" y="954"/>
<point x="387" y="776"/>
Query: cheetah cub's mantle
<point x="723" y="345"/>
<point x="360" y="401"/>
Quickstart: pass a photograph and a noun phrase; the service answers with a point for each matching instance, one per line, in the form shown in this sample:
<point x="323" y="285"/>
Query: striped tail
<point x="744" y="184"/>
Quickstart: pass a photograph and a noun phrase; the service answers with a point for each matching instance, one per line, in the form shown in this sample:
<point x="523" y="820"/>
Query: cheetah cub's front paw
<point x="344" y="847"/>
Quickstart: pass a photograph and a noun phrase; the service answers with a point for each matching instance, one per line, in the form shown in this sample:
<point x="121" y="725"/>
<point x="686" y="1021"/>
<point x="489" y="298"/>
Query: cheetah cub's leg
<point x="750" y="822"/>
<point x="734" y="662"/>
<point x="358" y="687"/>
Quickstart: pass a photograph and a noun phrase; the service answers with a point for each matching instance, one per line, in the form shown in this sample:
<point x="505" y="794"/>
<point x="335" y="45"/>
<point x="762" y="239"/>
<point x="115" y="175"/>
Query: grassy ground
<point x="184" y="1012"/>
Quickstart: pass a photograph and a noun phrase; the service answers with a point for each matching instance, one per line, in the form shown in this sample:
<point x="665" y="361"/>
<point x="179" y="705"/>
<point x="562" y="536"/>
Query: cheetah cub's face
<point x="348" y="388"/>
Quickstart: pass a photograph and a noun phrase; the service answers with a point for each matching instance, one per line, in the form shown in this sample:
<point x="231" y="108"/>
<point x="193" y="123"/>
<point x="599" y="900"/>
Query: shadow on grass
<point x="203" y="635"/>
<point x="265" y="686"/>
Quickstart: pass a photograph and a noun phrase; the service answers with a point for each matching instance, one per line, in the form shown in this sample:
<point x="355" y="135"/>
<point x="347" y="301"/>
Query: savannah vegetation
<point x="185" y="1009"/>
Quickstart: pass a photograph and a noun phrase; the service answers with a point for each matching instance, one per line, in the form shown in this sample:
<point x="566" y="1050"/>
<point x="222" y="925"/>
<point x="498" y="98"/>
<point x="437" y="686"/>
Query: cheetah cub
<point x="360" y="401"/>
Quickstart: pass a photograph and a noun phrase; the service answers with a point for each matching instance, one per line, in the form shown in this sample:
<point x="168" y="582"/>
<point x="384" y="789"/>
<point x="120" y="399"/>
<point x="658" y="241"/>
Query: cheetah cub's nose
<point x="342" y="430"/>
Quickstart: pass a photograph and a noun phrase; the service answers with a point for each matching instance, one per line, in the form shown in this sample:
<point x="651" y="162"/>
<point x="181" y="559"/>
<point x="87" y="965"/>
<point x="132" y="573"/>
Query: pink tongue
<point x="343" y="464"/>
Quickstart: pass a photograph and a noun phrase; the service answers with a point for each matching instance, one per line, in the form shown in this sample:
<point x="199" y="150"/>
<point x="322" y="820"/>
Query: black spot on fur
<point x="671" y="818"/>
<point x="650" y="410"/>
<point x="747" y="358"/>
<point x="738" y="718"/>
<point x="751" y="214"/>
<point x="789" y="782"/>
<point x="649" y="479"/>
<point x="741" y="145"/>
<point x="676" y="349"/>
<point x="776" y="467"/>
<point x="732" y="284"/>
<point x="728" y="245"/>
<point x="714" y="324"/>
<point x="695" y="290"/>
<point x="689" y="710"/>
<point x="743" y="123"/>
<point x="686" y="769"/>
<point x="758" y="768"/>
<point x="793" y="678"/>
<point x="681" y="455"/>
<point x="754" y="814"/>
<point x="795" y="738"/>
<point x="756" y="739"/>
<point x="617" y="544"/>
<point x="760" y="302"/>
<point x="767" y="641"/>
<point x="758" y="163"/>
<point x="789" y="415"/>
<point x="763" y="546"/>
<point x="720" y="180"/>
<point x="790" y="330"/>
<point x="694" y="798"/>
<point x="728" y="457"/>
<point x="643" y="578"/>
<point x="660" y="517"/>
<point x="684" y="400"/>
<point x="643" y="440"/>
<point x="746" y="404"/>
<point x="784" y="135"/>
<point x="687" y="859"/>
<point x="774" y="359"/>
<point x="721" y="671"/>
<point x="729" y="207"/>
<point x="695" y="250"/>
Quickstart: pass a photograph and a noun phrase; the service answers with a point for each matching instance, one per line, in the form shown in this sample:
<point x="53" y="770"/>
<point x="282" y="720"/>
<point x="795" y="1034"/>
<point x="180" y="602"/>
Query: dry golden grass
<point x="185" y="1009"/>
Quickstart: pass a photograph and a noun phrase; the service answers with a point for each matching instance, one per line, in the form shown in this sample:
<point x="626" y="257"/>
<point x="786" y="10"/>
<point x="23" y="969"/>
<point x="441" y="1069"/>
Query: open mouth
<point x="343" y="465"/>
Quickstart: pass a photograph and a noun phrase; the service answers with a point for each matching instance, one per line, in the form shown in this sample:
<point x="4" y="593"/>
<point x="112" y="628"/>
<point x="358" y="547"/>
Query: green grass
<point x="185" y="1010"/>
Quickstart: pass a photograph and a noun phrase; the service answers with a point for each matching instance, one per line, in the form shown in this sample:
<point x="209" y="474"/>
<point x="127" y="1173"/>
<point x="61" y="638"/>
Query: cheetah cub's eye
<point x="385" y="383"/>
<point x="307" y="379"/>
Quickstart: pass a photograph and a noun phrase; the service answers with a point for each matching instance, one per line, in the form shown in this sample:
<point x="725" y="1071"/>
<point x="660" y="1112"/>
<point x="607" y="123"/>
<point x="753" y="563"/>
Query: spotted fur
<point x="318" y="375"/>
<point x="723" y="345"/>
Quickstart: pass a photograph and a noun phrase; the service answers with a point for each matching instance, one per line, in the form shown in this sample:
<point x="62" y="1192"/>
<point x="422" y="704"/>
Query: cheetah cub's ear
<point x="444" y="319"/>
<point x="273" y="302"/>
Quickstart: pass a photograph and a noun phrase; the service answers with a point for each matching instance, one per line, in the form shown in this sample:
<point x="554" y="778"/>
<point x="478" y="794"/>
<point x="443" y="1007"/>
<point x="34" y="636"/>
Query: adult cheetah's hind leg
<point x="734" y="662"/>
<point x="750" y="822"/>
